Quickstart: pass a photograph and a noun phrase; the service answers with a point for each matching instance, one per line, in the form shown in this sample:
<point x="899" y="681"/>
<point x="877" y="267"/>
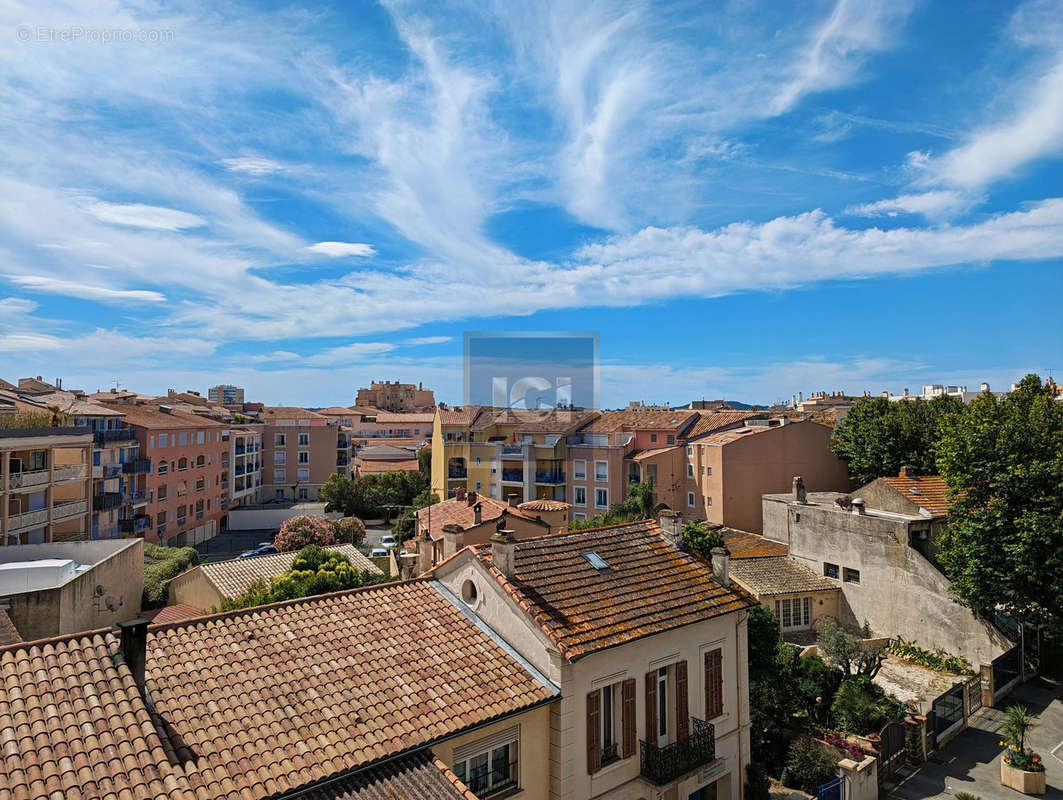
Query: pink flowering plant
<point x="298" y="532"/>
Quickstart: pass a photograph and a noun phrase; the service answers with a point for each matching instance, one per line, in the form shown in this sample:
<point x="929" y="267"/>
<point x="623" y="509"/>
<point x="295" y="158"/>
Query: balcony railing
<point x="106" y="501"/>
<point x="112" y="470"/>
<point x="71" y="472"/>
<point x="513" y="475"/>
<point x="22" y="480"/>
<point x="550" y="477"/>
<point x="512" y="450"/>
<point x="70" y="509"/>
<point x="30" y="519"/>
<point x="136" y="496"/>
<point x="662" y="765"/>
<point x="138" y="524"/>
<point x="120" y="435"/>
<point x="138" y="466"/>
<point x="457" y="473"/>
<point x="181" y="521"/>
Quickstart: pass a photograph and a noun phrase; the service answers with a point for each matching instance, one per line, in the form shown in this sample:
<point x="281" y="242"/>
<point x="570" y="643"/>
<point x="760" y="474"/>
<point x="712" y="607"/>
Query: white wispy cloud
<point x="276" y="355"/>
<point x="256" y="166"/>
<point x="139" y="215"/>
<point x="348" y="353"/>
<point x="424" y="340"/>
<point x="936" y="204"/>
<point x="86" y="291"/>
<point x="341" y="249"/>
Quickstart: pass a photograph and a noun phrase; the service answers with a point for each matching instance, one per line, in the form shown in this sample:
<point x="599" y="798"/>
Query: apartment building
<point x="45" y="485"/>
<point x="185" y="498"/>
<point x="395" y="396"/>
<point x="225" y="394"/>
<point x="301" y="449"/>
<point x="505" y="452"/>
<point x="241" y="473"/>
<point x="654" y="694"/>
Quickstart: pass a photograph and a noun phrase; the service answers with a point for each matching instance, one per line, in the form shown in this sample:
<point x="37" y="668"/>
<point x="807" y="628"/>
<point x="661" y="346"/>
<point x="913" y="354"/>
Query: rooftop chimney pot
<point x="512" y="497"/>
<point x="858" y="506"/>
<point x="800" y="494"/>
<point x="470" y="498"/>
<point x="721" y="565"/>
<point x="503" y="552"/>
<point x="477" y="514"/>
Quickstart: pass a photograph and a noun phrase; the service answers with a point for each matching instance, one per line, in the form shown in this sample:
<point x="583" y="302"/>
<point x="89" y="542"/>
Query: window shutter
<point x="594" y="732"/>
<point x="651" y="708"/>
<point x="682" y="713"/>
<point x="628" y="714"/>
<point x="713" y="684"/>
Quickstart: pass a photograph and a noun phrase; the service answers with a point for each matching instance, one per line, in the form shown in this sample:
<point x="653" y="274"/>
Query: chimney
<point x="133" y="634"/>
<point x="800" y="397"/>
<point x="721" y="565"/>
<point x="453" y="539"/>
<point x="470" y="497"/>
<point x="459" y="493"/>
<point x="425" y="552"/>
<point x="800" y="494"/>
<point x="908" y="472"/>
<point x="512" y="497"/>
<point x="477" y="514"/>
<point x="671" y="523"/>
<point x="906" y="392"/>
<point x="858" y="506"/>
<point x="503" y="552"/>
<point x="983" y="387"/>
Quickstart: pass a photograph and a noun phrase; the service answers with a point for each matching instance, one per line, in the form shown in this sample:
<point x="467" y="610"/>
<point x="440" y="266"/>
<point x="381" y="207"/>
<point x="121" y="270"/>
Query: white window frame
<point x="604" y="475"/>
<point x="302" y="475"/>
<point x="304" y="439"/>
<point x="280" y="440"/>
<point x="708" y="500"/>
<point x="579" y="469"/>
<point x="280" y="476"/>
<point x="794" y="613"/>
<point x="691" y="500"/>
<point x="280" y="457"/>
<point x="576" y="492"/>
<point x="690" y="471"/>
<point x="486" y="748"/>
<point x="304" y="456"/>
<point x="598" y="492"/>
<point x="579" y="515"/>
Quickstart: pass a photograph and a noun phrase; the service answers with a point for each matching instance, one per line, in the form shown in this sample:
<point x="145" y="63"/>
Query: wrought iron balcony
<point x="120" y="435"/>
<point x="106" y="501"/>
<point x="138" y="524"/>
<point x="138" y="466"/>
<point x="661" y="765"/>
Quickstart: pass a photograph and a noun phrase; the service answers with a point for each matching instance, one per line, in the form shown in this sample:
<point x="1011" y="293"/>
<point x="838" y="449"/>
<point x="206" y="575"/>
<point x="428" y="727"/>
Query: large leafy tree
<point x="1003" y="462"/>
<point x="368" y="496"/>
<point x="878" y="437"/>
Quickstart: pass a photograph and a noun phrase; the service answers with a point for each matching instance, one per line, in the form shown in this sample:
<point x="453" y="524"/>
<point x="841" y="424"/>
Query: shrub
<point x="298" y="532"/>
<point x="350" y="530"/>
<point x="1016" y="726"/>
<point x="700" y="539"/>
<point x="938" y="660"/>
<point x="966" y="796"/>
<point x="161" y="565"/>
<point x="758" y="787"/>
<point x="861" y="707"/>
<point x="853" y="750"/>
<point x="809" y="766"/>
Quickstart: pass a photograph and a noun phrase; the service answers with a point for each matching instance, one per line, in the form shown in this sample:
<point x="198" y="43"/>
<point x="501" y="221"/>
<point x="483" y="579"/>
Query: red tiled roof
<point x="419" y="776"/>
<point x="708" y="423"/>
<point x="151" y="417"/>
<point x="453" y="511"/>
<point x="252" y="703"/>
<point x="732" y="434"/>
<point x="458" y="415"/>
<point x="389" y="466"/>
<point x="543" y="504"/>
<point x="289" y="412"/>
<point x="167" y="614"/>
<point x="650" y="586"/>
<point x="742" y="544"/>
<point x="926" y="491"/>
<point x="639" y="419"/>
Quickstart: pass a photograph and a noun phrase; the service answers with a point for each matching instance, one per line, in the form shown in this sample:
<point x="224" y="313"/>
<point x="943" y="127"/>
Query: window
<point x="182" y="464"/>
<point x="479" y="461"/>
<point x="690" y="499"/>
<point x="708" y="471"/>
<point x="690" y="451"/>
<point x="302" y="474"/>
<point x="181" y="489"/>
<point x="579" y="515"/>
<point x="151" y="441"/>
<point x="182" y="438"/>
<point x="304" y="456"/>
<point x="200" y="484"/>
<point x="579" y="496"/>
<point x="601" y="471"/>
<point x="690" y="470"/>
<point x="653" y="437"/>
<point x="279" y="476"/>
<point x="304" y="494"/>
<point x="713" y="684"/>
<point x="164" y="440"/>
<point x="490" y="765"/>
<point x="200" y="437"/>
<point x="794" y="612"/>
<point x="278" y="494"/>
<point x="304" y="439"/>
<point x="708" y="501"/>
<point x="601" y="498"/>
<point x="671" y="438"/>
<point x="479" y="486"/>
<point x="852" y="575"/>
<point x="579" y="469"/>
<point x="162" y="468"/>
<point x="280" y="457"/>
<point x="160" y="493"/>
<point x="200" y="461"/>
<point x="610" y="724"/>
<point x="468" y="592"/>
<point x="279" y="439"/>
<point x="160" y="518"/>
<point x="830" y="570"/>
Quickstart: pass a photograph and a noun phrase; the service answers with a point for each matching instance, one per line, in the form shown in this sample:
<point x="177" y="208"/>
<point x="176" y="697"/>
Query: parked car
<point x="377" y="551"/>
<point x="388" y="541"/>
<point x="264" y="549"/>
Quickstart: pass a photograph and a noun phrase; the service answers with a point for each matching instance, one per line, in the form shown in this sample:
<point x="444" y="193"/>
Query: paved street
<point x="970" y="763"/>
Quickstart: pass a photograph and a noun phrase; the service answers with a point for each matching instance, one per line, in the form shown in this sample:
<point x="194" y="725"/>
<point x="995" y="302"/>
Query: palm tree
<point x="1018" y="724"/>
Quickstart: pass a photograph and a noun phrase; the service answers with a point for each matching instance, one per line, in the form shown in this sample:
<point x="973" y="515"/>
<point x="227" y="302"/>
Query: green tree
<point x="338" y="494"/>
<point x="350" y="530"/>
<point x="161" y="565"/>
<point x="763" y="641"/>
<point x="699" y="538"/>
<point x="1003" y="463"/>
<point x="878" y="437"/>
<point x="848" y="651"/>
<point x="404" y="527"/>
<point x="809" y="766"/>
<point x="637" y="505"/>
<point x="862" y="707"/>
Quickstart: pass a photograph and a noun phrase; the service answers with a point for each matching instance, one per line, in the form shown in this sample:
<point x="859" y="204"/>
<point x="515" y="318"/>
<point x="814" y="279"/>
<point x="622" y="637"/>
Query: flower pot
<point x="1021" y="780"/>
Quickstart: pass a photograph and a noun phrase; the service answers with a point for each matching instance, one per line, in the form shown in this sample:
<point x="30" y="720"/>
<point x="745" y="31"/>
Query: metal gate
<point x="931" y="732"/>
<point x="891" y="749"/>
<point x="948" y="710"/>
<point x="1006" y="668"/>
<point x="974" y="694"/>
<point x="833" y="790"/>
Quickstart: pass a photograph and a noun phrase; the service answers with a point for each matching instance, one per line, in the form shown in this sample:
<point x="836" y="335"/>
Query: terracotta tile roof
<point x="742" y="544"/>
<point x="458" y="415"/>
<point x="543" y="504"/>
<point x="236" y="575"/>
<point x="639" y="419"/>
<point x="289" y="412"/>
<point x="778" y="575"/>
<point x="252" y="703"/>
<point x="5" y="385"/>
<point x="386" y="452"/>
<point x="8" y="632"/>
<point x="721" y="438"/>
<point x="926" y="491"/>
<point x="419" y="776"/>
<point x="401" y="418"/>
<point x="167" y="614"/>
<point x="709" y="423"/>
<point x="650" y="586"/>
<point x="532" y="420"/>
<point x="453" y="511"/>
<point x="644" y="455"/>
<point x="389" y="466"/>
<point x="149" y="416"/>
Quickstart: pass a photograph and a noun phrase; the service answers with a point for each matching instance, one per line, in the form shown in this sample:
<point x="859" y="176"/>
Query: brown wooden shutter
<point x="651" y="708"/>
<point x="594" y="732"/>
<point x="713" y="684"/>
<point x="628" y="721"/>
<point x="682" y="713"/>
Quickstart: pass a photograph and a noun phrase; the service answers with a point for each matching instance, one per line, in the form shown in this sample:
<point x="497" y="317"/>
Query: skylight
<point x="597" y="561"/>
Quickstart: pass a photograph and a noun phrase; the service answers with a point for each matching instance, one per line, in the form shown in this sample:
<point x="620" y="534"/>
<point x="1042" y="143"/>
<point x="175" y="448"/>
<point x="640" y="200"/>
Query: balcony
<point x="112" y="470"/>
<point x="106" y="501"/>
<point x="239" y="469"/>
<point x="457" y="474"/>
<point x="120" y="435"/>
<point x="552" y="478"/>
<point x="138" y="524"/>
<point x="24" y="480"/>
<point x="225" y="504"/>
<point x="513" y="476"/>
<point x="107" y="532"/>
<point x="512" y="451"/>
<point x="136" y="497"/>
<point x="199" y="515"/>
<point x="30" y="519"/>
<point x="160" y="529"/>
<point x="71" y="472"/>
<point x="62" y="511"/>
<point x="181" y="522"/>
<point x="138" y="466"/>
<point x="661" y="765"/>
<point x="240" y="449"/>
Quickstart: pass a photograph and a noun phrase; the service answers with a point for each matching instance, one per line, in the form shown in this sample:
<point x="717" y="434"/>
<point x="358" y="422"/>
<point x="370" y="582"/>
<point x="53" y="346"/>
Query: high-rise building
<point x="226" y="394"/>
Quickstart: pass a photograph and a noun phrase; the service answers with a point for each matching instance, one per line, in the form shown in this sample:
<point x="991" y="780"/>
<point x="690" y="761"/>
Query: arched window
<point x="200" y="461"/>
<point x="182" y="463"/>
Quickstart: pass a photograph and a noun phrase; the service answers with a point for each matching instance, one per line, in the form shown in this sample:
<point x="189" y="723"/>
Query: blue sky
<point x="744" y="199"/>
